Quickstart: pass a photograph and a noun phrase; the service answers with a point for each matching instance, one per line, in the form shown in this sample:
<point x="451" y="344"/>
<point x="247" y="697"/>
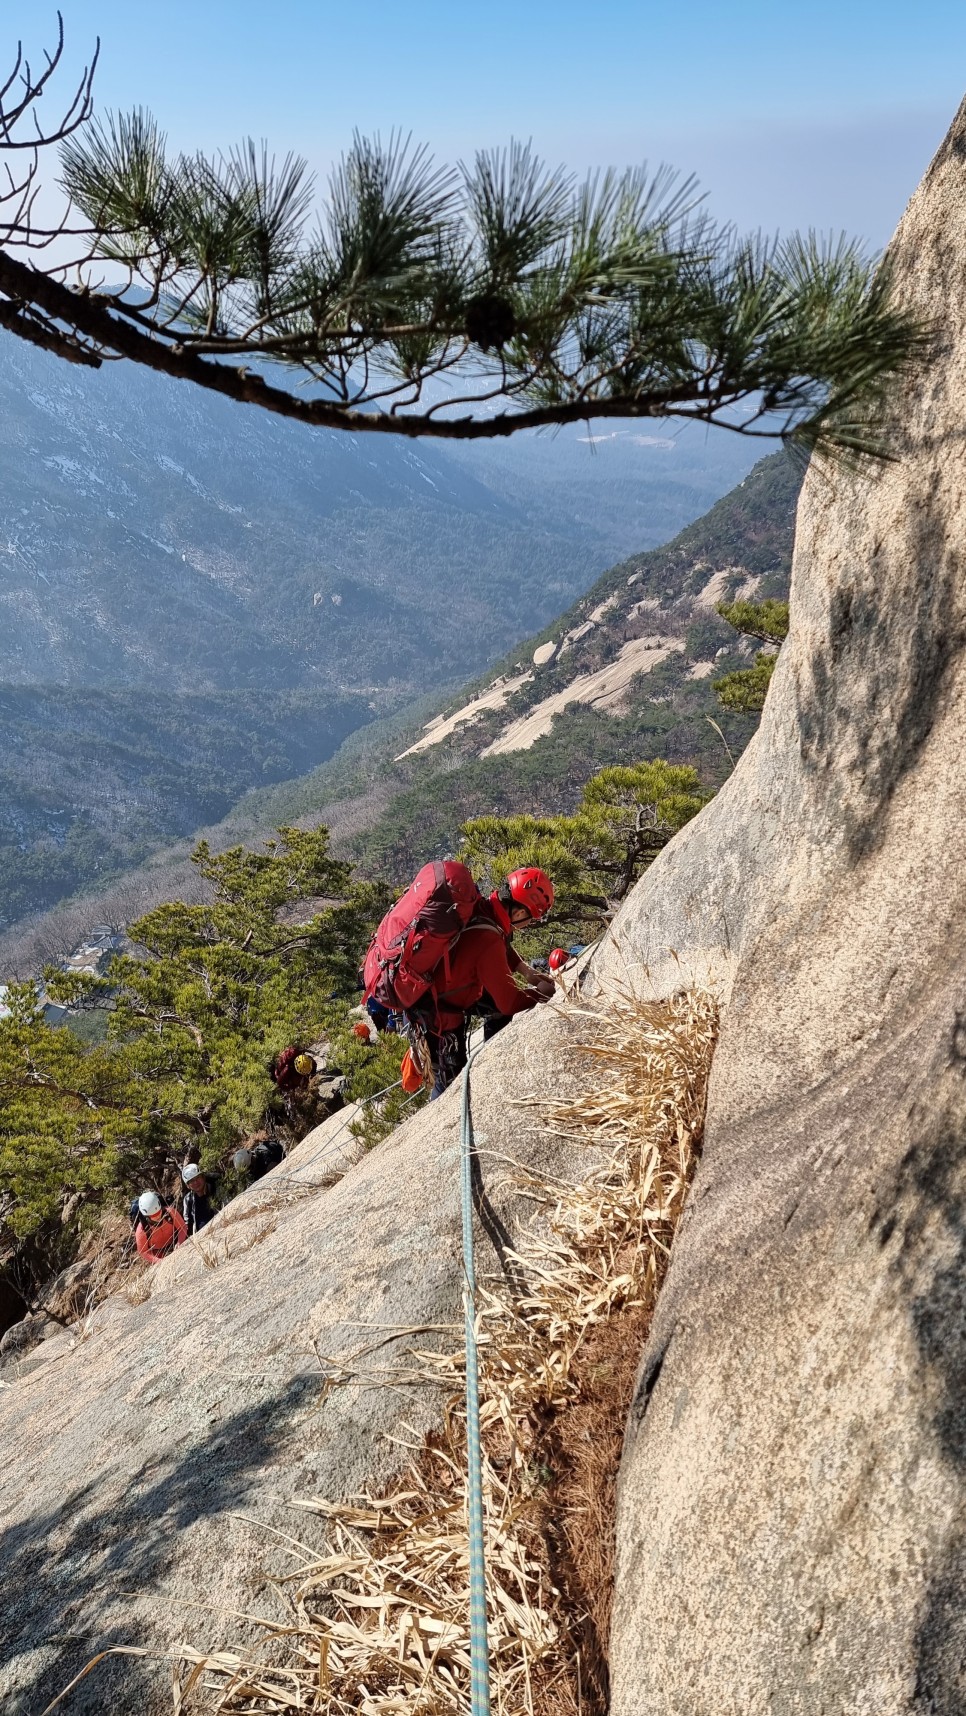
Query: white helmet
<point x="241" y="1160"/>
<point x="149" y="1204"/>
<point x="190" y="1172"/>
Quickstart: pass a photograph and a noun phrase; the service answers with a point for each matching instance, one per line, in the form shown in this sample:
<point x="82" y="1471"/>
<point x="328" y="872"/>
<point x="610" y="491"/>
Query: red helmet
<point x="531" y="888"/>
<point x="558" y="958"/>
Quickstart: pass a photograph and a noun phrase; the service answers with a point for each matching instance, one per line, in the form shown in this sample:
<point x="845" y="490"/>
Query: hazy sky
<point x="821" y="114"/>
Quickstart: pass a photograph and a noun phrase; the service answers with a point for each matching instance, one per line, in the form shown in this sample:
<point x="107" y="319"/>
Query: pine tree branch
<point x="38" y="332"/>
<point x="614" y="300"/>
<point x="110" y="335"/>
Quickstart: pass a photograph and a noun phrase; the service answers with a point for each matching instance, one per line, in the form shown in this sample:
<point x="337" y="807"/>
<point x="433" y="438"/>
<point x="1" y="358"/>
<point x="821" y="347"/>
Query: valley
<point x="625" y="672"/>
<point x="196" y="601"/>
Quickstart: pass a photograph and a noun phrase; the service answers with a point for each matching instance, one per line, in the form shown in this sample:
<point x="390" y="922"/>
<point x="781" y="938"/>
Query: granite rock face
<point x="793" y="1490"/>
<point x="145" y="1454"/>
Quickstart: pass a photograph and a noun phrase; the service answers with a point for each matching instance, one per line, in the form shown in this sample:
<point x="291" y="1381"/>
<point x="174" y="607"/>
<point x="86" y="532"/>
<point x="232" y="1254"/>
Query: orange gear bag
<point x="412" y="1078"/>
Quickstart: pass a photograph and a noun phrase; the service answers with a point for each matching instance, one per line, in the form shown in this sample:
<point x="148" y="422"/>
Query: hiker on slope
<point x="256" y="1159"/>
<point x="158" y="1227"/>
<point x="310" y="1091"/>
<point x="197" y="1202"/>
<point x="443" y="951"/>
<point x="479" y="974"/>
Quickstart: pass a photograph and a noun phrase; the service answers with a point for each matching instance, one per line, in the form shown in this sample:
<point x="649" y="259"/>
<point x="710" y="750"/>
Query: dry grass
<point x="581" y="1447"/>
<point x="222" y="1248"/>
<point x="378" y="1624"/>
<point x="138" y="1289"/>
<point x="281" y="1196"/>
<point x="106" y="1264"/>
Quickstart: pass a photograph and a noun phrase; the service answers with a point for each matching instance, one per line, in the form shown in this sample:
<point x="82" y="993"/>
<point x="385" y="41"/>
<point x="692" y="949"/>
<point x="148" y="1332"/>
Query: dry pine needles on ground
<point x="378" y="1624"/>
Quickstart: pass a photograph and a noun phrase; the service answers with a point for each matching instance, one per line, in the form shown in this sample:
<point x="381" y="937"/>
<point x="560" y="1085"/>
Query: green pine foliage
<point x="625" y="816"/>
<point x="744" y="691"/>
<point x="613" y="298"/>
<point x="75" y="1122"/>
<point x="194" y="1018"/>
<point x="767" y="620"/>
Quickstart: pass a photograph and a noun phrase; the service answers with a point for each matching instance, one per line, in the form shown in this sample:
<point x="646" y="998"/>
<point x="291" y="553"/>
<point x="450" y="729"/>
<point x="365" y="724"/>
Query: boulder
<point x="20" y="1337"/>
<point x="793" y="1488"/>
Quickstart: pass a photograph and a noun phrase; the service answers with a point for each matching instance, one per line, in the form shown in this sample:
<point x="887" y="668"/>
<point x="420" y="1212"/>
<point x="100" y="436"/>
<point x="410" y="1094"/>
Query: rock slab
<point x="793" y="1490"/>
<point x="153" y="1458"/>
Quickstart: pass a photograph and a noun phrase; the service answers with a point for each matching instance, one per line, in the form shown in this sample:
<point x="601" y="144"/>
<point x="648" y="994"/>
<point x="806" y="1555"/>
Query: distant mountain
<point x="92" y="781"/>
<point x="625" y="673"/>
<point x="153" y="534"/>
<point x="198" y="598"/>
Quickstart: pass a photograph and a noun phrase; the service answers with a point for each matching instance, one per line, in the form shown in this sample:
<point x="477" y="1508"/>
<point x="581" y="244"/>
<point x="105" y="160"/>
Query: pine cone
<point x="490" y="321"/>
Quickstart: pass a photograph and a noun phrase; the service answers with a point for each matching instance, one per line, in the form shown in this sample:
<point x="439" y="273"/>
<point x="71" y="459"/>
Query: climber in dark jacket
<point x="197" y="1203"/>
<point x="293" y="1070"/>
<point x="254" y="1162"/>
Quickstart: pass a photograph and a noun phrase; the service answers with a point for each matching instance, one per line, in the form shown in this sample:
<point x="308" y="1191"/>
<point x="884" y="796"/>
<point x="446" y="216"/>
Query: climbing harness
<point x="479" y="1649"/>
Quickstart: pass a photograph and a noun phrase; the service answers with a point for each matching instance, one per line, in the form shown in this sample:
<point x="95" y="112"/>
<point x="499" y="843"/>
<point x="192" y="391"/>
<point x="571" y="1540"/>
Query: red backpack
<point x="417" y="933"/>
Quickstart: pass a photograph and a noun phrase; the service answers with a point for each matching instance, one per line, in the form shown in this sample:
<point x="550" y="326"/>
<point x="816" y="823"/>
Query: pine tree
<point x="195" y="1016"/>
<point x="625" y="816"/>
<point x="74" y="1120"/>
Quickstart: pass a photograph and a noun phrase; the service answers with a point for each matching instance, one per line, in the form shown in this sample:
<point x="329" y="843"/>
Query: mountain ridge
<point x="156" y="543"/>
<point x="391" y="803"/>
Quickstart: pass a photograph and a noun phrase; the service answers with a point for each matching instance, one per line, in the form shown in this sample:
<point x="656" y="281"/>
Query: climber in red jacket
<point x="479" y="974"/>
<point x="158" y="1228"/>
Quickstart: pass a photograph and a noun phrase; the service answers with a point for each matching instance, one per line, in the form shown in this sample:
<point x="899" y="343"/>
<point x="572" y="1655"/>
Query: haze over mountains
<point x="154" y="534"/>
<point x="196" y="599"/>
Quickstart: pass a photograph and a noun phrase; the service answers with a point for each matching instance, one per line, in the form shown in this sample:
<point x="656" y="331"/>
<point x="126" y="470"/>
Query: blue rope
<point x="479" y="1649"/>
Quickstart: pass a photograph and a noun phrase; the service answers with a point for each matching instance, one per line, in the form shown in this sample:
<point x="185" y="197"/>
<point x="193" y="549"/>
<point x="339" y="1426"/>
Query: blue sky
<point x="819" y="115"/>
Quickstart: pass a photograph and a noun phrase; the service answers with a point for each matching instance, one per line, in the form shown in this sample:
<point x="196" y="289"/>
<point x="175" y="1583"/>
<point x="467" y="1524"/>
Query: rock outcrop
<point x="793" y="1490"/>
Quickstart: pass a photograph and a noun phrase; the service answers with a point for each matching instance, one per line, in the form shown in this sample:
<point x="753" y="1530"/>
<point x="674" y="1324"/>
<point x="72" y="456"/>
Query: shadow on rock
<point x="929" y="1204"/>
<point x="875" y="686"/>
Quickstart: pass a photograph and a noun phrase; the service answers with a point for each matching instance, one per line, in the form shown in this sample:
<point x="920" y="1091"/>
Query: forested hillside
<point x="195" y="600"/>
<point x="396" y="791"/>
<point x="93" y="781"/>
<point x="656" y="610"/>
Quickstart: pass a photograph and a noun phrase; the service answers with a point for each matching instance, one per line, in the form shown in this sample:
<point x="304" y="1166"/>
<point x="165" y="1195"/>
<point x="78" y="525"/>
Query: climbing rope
<point x="479" y="1649"/>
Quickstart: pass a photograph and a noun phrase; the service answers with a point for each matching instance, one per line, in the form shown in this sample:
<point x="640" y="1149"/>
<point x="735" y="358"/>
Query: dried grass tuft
<point x="378" y="1624"/>
<point x="138" y="1290"/>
